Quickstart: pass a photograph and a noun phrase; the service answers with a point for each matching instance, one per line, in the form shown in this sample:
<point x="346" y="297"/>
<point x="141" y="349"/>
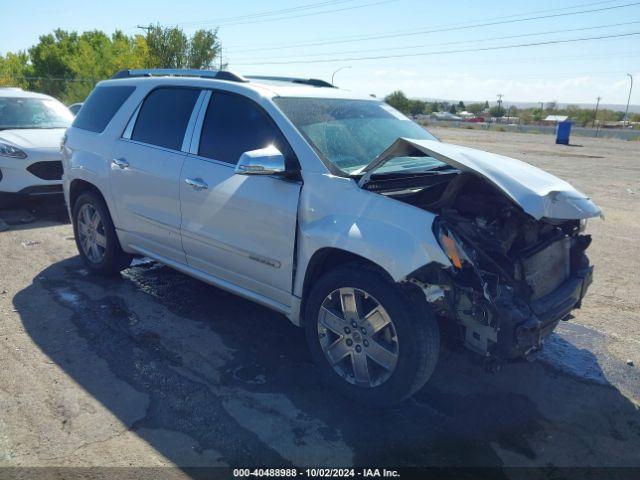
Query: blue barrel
<point x="563" y="130"/>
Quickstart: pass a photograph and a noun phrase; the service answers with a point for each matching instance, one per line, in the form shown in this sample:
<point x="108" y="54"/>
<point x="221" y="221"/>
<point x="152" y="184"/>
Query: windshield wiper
<point x="440" y="170"/>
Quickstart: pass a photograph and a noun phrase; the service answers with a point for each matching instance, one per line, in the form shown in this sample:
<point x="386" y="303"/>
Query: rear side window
<point x="100" y="107"/>
<point x="164" y="116"/>
<point x="235" y="124"/>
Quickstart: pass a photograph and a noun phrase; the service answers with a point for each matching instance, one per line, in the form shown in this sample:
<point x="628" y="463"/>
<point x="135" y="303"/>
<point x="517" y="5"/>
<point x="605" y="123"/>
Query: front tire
<point x="370" y="340"/>
<point x="96" y="237"/>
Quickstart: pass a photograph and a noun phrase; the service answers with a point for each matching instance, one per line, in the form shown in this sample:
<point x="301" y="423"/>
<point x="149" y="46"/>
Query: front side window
<point x="351" y="133"/>
<point x="25" y="112"/>
<point x="235" y="124"/>
<point x="164" y="116"/>
<point x="101" y="106"/>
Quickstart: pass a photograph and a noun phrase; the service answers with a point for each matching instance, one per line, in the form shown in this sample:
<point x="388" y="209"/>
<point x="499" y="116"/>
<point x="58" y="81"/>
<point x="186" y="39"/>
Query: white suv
<point x="31" y="129"/>
<point x="333" y="209"/>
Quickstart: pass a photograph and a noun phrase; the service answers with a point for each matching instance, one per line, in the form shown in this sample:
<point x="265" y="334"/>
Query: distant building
<point x="555" y="118"/>
<point x="444" y="116"/>
<point x="466" y="115"/>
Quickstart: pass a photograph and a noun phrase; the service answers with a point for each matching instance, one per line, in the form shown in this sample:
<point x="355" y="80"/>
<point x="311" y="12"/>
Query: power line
<point x="325" y="54"/>
<point x="580" y="5"/>
<point x="288" y="17"/>
<point x="529" y="60"/>
<point x="439" y="30"/>
<point x="265" y="13"/>
<point x="443" y="52"/>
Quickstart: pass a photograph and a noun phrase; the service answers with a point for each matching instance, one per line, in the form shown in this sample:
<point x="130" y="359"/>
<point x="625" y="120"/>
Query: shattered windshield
<point x="25" y="112"/>
<point x="351" y="133"/>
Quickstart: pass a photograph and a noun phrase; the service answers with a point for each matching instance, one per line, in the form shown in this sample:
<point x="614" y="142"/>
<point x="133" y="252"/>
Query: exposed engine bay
<point x="512" y="278"/>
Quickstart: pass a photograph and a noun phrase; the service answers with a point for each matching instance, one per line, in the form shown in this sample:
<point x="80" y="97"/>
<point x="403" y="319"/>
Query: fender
<point x="396" y="236"/>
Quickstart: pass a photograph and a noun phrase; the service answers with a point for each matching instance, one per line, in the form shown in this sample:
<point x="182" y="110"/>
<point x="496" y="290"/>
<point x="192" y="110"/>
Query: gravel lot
<point x="156" y="369"/>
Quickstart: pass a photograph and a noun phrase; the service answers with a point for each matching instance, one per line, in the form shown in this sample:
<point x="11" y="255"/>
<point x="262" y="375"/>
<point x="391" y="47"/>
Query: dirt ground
<point x="155" y="369"/>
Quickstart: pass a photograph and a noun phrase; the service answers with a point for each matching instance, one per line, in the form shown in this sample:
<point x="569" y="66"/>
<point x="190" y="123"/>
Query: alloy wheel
<point x="358" y="337"/>
<point x="91" y="233"/>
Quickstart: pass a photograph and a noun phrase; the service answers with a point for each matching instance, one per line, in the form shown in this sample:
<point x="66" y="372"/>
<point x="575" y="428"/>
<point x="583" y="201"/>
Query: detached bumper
<point x="524" y="327"/>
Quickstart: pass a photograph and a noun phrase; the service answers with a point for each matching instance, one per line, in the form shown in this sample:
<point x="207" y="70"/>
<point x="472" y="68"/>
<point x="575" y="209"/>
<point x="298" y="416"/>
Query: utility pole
<point x="499" y="104"/>
<point x="541" y="110"/>
<point x="626" y="112"/>
<point x="595" y="114"/>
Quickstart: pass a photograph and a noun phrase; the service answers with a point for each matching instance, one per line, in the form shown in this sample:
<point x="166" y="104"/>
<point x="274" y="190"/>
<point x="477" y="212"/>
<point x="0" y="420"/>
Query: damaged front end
<point x="514" y="273"/>
<point x="511" y="279"/>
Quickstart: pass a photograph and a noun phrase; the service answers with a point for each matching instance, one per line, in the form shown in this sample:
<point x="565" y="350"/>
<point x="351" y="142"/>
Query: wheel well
<point x="327" y="259"/>
<point x="77" y="187"/>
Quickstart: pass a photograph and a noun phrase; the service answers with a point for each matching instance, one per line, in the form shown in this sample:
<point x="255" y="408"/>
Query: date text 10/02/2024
<point x="316" y="472"/>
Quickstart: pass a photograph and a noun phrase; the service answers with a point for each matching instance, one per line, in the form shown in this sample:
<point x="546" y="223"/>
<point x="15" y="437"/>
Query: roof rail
<point x="180" y="72"/>
<point x="314" y="82"/>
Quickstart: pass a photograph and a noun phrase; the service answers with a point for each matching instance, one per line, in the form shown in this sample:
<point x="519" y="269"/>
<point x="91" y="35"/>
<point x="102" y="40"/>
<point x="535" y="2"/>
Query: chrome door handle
<point x="196" y="183"/>
<point x="120" y="162"/>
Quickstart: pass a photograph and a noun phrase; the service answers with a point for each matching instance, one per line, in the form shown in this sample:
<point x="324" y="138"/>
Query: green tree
<point x="67" y="65"/>
<point x="14" y="70"/>
<point x="526" y="116"/>
<point x="169" y="47"/>
<point x="452" y="109"/>
<point x="203" y="49"/>
<point x="461" y="105"/>
<point x="497" y="111"/>
<point x="416" y="107"/>
<point x="99" y="56"/>
<point x="537" y="114"/>
<point x="475" y="108"/>
<point x="398" y="100"/>
<point x="486" y="104"/>
<point x="50" y="62"/>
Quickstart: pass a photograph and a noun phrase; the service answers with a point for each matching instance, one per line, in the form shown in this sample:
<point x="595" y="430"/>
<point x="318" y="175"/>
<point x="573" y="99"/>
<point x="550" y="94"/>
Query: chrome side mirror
<point x="264" y="161"/>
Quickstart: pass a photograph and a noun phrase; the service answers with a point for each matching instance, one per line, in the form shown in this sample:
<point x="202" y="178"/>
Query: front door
<point x="240" y="229"/>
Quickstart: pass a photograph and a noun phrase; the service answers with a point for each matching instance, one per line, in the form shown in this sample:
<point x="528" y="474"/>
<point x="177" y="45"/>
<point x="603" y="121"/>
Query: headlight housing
<point x="7" y="150"/>
<point x="452" y="247"/>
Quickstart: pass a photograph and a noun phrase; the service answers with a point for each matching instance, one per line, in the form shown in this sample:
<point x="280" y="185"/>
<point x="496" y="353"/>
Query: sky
<point x="429" y="49"/>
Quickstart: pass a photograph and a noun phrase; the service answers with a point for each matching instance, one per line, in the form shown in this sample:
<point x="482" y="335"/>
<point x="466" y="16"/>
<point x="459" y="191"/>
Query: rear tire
<point x="96" y="237"/>
<point x="387" y="318"/>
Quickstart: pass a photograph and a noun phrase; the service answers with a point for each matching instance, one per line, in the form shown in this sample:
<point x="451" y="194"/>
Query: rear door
<point x="239" y="228"/>
<point x="145" y="171"/>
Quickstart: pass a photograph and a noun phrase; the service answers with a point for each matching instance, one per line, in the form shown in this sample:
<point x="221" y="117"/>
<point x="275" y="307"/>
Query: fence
<point x="543" y="129"/>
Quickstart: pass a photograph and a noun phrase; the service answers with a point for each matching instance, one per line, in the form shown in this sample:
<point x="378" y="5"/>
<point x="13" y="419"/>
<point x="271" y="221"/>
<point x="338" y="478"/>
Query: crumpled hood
<point x="539" y="193"/>
<point x="33" y="137"/>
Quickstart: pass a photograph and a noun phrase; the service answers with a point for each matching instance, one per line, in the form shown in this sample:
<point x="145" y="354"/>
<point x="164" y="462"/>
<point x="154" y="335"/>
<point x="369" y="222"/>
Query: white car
<point x="31" y="130"/>
<point x="333" y="209"/>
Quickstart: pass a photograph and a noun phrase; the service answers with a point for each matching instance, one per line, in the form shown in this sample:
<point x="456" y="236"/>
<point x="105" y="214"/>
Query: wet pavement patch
<point x="581" y="351"/>
<point x="236" y="380"/>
